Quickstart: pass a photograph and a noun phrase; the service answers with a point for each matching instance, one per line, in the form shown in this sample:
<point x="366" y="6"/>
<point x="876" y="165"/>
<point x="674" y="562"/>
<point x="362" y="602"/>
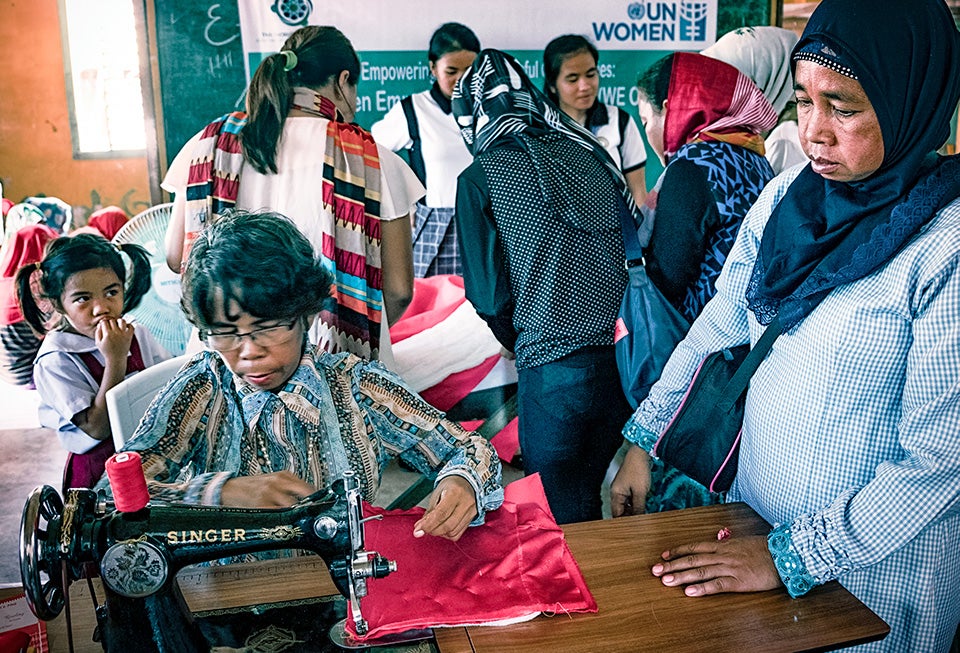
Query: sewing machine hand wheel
<point x="38" y="554"/>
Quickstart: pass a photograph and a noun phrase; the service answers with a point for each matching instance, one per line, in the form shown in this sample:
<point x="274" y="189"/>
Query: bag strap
<point x="738" y="382"/>
<point x="416" y="151"/>
<point x="631" y="243"/>
<point x="623" y="119"/>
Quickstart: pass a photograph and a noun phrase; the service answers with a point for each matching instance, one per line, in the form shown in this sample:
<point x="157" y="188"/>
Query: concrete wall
<point x="36" y="151"/>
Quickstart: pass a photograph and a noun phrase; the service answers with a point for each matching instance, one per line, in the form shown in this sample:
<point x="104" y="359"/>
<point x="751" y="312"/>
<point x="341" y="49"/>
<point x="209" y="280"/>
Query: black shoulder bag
<point x="703" y="438"/>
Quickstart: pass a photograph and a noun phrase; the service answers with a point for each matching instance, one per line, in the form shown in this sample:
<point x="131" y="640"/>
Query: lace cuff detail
<point x="792" y="571"/>
<point x="639" y="436"/>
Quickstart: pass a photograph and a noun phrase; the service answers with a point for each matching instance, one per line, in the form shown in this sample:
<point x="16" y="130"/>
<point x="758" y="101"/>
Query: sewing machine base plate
<point x="343" y="639"/>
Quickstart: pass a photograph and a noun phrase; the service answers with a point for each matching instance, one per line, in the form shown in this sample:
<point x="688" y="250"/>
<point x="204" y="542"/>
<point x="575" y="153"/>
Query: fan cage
<point x="159" y="310"/>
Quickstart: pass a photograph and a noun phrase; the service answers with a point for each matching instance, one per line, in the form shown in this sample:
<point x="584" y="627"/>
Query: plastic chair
<point x="128" y="400"/>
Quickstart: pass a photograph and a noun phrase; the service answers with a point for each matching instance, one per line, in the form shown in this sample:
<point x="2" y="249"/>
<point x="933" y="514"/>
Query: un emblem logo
<point x="636" y="10"/>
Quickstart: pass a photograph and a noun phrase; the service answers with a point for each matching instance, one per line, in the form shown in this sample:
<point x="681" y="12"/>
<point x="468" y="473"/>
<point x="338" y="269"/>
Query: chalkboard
<point x="200" y="66"/>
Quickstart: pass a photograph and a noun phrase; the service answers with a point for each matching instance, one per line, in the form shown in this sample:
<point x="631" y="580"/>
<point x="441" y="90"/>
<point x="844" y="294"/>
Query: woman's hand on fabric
<point x="276" y="490"/>
<point x="740" y="564"/>
<point x="452" y="507"/>
<point x="113" y="338"/>
<point x="628" y="492"/>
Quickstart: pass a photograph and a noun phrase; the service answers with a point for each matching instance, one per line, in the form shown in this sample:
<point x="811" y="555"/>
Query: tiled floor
<point x="29" y="456"/>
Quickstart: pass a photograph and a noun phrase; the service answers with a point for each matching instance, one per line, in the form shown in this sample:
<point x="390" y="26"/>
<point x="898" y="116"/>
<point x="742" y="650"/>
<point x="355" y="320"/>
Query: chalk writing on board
<point x="219" y="61"/>
<point x="214" y="19"/>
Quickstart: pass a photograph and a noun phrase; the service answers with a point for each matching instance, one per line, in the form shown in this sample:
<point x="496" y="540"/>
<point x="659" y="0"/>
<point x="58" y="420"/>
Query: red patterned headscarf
<point x="709" y="100"/>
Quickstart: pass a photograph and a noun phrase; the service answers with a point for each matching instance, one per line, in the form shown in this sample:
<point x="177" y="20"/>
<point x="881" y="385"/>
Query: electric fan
<point x="159" y="310"/>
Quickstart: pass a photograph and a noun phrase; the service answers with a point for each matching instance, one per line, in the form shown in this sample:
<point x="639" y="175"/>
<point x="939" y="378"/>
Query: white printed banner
<point x="392" y="36"/>
<point x="502" y="24"/>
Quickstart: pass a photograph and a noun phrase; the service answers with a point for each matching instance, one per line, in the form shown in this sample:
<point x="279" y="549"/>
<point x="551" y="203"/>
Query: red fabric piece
<point x="15" y="641"/>
<point x="516" y="564"/>
<point x="434" y="300"/>
<point x="709" y="95"/>
<point x="7" y="205"/>
<point x="507" y="441"/>
<point x="24" y="248"/>
<point x="448" y="393"/>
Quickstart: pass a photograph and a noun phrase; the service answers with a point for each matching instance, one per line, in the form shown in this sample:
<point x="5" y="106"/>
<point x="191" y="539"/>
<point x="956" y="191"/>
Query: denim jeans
<point x="571" y="413"/>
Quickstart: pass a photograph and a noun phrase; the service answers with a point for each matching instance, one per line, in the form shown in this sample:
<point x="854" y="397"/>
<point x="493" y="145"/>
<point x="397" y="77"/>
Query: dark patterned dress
<point x="698" y="204"/>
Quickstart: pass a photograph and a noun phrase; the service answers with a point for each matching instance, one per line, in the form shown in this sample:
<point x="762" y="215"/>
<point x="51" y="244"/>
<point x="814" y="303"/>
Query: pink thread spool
<point x="126" y="478"/>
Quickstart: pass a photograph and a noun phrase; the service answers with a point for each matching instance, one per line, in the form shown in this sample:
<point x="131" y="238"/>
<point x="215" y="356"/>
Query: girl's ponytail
<point x="26" y="300"/>
<point x="141" y="272"/>
<point x="269" y="99"/>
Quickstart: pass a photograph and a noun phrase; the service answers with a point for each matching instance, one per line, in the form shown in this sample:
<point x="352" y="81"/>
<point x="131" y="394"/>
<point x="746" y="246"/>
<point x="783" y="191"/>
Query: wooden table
<point x="636" y="612"/>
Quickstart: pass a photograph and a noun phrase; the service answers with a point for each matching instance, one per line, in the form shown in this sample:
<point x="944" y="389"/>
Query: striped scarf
<point x="495" y="99"/>
<point x="351" y="193"/>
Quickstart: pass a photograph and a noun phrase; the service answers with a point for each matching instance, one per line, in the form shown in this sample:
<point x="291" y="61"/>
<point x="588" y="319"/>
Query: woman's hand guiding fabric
<point x="452" y="507"/>
<point x="738" y="564"/>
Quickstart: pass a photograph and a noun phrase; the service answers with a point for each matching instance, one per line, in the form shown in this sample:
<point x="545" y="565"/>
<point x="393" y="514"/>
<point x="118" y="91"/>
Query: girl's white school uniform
<point x="66" y="386"/>
<point x="445" y="155"/>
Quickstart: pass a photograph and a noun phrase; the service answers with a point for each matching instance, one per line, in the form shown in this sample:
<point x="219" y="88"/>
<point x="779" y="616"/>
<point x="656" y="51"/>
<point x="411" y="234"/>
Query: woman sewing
<point x="263" y="418"/>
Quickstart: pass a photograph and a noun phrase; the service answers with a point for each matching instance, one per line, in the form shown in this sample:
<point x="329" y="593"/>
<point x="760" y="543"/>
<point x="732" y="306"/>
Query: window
<point x="102" y="67"/>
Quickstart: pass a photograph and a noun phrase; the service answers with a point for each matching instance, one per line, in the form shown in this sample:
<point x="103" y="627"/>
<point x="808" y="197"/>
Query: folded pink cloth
<point x="514" y="566"/>
<point x="434" y="299"/>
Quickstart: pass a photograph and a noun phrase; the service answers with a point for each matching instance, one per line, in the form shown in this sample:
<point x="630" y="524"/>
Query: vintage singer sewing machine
<point x="139" y="555"/>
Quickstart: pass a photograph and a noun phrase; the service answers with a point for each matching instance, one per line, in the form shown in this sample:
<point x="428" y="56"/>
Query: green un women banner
<point x="392" y="37"/>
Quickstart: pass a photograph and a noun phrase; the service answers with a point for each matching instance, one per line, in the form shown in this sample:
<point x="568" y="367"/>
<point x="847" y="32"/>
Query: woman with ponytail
<point x="90" y="347"/>
<point x="296" y="152"/>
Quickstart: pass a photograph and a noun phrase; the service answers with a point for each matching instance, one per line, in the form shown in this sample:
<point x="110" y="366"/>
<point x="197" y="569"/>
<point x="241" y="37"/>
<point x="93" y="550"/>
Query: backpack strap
<point x="623" y="119"/>
<point x="416" y="151"/>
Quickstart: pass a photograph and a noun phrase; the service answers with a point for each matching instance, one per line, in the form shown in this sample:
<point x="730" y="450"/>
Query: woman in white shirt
<point x="298" y="154"/>
<point x="572" y="81"/>
<point x="423" y="125"/>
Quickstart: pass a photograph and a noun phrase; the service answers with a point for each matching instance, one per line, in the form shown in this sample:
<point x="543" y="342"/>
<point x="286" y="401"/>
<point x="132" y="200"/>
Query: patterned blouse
<point x="337" y="412"/>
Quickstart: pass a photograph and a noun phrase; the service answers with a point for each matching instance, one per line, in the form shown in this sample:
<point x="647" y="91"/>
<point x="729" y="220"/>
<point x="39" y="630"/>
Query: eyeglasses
<point x="267" y="337"/>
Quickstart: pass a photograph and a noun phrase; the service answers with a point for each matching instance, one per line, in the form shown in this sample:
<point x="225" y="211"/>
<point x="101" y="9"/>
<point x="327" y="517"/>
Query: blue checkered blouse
<point x="851" y="435"/>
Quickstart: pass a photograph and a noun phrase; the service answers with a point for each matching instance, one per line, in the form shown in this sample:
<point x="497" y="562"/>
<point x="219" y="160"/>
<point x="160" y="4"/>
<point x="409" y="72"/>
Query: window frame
<point x="144" y="73"/>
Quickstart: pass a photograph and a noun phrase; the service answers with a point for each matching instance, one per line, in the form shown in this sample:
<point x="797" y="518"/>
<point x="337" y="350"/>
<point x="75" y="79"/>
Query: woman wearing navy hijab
<point x="849" y="443"/>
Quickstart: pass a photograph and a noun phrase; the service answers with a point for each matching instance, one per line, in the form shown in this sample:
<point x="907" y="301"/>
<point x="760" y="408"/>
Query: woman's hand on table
<point x="739" y="564"/>
<point x="451" y="508"/>
<point x="628" y="492"/>
<point x="276" y="490"/>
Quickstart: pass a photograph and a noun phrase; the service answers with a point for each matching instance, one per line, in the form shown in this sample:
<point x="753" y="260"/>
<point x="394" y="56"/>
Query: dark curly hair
<point x="259" y="260"/>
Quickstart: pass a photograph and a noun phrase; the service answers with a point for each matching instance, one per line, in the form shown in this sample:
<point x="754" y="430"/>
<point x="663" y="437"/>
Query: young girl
<point x="92" y="348"/>
<point x="423" y="124"/>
